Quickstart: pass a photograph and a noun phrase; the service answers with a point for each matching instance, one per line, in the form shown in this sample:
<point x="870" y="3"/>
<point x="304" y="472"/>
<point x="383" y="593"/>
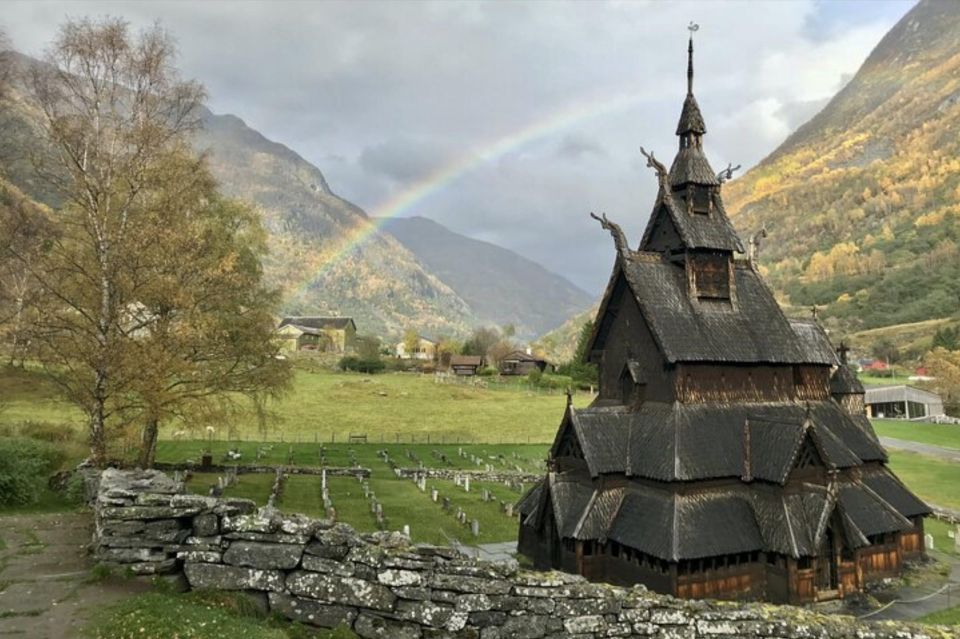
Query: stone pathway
<point x="45" y="586"/>
<point x="948" y="454"/>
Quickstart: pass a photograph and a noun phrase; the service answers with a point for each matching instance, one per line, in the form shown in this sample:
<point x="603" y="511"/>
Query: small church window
<point x="712" y="276"/>
<point x="701" y="201"/>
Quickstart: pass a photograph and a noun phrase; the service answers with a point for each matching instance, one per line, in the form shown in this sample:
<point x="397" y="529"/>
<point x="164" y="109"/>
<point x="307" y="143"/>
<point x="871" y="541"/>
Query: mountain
<point x="862" y="203"/>
<point x="315" y="256"/>
<point x="560" y="344"/>
<point x="501" y="286"/>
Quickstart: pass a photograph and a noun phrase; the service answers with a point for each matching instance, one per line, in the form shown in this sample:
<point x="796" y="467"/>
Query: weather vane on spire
<point x="692" y="27"/>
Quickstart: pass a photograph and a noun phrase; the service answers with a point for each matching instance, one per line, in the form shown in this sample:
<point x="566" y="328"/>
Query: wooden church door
<point x="827" y="567"/>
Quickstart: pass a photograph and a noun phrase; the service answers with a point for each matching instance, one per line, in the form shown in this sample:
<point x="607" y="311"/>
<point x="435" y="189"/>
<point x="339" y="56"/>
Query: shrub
<point x="54" y="433"/>
<point x="24" y="466"/>
<point x="362" y="365"/>
<point x="488" y="371"/>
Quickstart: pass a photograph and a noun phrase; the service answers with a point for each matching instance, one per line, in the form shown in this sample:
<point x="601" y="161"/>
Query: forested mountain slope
<point x="862" y="203"/>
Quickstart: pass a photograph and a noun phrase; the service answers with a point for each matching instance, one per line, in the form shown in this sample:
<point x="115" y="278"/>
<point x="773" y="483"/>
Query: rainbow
<point x="443" y="177"/>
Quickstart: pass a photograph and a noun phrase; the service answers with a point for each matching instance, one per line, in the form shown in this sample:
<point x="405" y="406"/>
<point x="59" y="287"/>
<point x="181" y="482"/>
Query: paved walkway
<point x="949" y="454"/>
<point x="916" y="601"/>
<point x="45" y="586"/>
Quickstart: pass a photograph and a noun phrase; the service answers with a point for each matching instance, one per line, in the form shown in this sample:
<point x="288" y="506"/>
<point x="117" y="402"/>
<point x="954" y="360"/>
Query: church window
<point x="701" y="201"/>
<point x="712" y="276"/>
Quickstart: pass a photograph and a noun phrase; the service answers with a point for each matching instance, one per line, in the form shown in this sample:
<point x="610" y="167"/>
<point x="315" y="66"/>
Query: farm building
<point x="466" y="365"/>
<point x="521" y="363"/>
<point x="728" y="453"/>
<point x="324" y="334"/>
<point x="426" y="349"/>
<point x="902" y="402"/>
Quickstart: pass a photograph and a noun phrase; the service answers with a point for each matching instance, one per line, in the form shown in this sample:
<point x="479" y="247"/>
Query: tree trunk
<point x="98" y="438"/>
<point x="148" y="450"/>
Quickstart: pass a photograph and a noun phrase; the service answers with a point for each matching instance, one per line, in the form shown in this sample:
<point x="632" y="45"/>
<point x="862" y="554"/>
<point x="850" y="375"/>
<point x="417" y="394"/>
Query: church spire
<point x="691" y="121"/>
<point x="690" y="165"/>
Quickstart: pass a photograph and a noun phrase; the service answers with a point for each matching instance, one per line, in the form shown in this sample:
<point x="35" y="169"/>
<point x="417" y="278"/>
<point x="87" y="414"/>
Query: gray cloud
<point x="528" y="96"/>
<point x="576" y="146"/>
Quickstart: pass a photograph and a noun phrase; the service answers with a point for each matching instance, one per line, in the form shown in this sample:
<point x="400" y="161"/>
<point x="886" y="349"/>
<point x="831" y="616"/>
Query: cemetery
<point x="447" y="494"/>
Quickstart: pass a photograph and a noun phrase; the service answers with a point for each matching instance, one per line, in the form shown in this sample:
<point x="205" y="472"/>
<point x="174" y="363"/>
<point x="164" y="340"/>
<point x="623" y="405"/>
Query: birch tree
<point x="115" y="113"/>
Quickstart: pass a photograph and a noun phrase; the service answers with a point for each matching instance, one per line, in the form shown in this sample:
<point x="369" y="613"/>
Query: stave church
<point x="728" y="454"/>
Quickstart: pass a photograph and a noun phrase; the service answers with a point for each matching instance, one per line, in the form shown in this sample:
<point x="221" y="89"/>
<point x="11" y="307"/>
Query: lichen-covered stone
<point x="525" y="627"/>
<point x="424" y="613"/>
<point x="371" y="627"/>
<point x="320" y="549"/>
<point x="200" y="556"/>
<point x="584" y="624"/>
<point x="254" y="554"/>
<point x="262" y="521"/>
<point x="311" y="612"/>
<point x="399" y="578"/>
<point x="220" y="577"/>
<point x="206" y="525"/>
<point x="459" y="583"/>
<point x="342" y="590"/>
<point x="329" y="566"/>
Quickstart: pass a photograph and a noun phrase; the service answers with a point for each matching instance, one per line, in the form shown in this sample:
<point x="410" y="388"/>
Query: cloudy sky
<point x="506" y="121"/>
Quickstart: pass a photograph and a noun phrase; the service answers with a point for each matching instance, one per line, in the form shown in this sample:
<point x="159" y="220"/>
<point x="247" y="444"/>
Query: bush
<point x="53" y="433"/>
<point x="488" y="371"/>
<point x="24" y="467"/>
<point x="546" y="380"/>
<point x="362" y="365"/>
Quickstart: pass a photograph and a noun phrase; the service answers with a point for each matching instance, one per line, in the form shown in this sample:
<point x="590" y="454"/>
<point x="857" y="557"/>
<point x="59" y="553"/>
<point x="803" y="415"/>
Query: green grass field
<point x="944" y="435"/>
<point x="326" y="406"/>
<point x="933" y="480"/>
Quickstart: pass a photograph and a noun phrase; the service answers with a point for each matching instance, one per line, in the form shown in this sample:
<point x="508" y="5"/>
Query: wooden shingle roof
<point x="753" y="330"/>
<point x="689" y="442"/>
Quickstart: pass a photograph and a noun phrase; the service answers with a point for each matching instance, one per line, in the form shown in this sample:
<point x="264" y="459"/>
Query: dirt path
<point x="45" y="586"/>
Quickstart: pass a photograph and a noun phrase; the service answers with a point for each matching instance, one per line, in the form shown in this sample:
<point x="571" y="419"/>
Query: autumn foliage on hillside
<point x="862" y="203"/>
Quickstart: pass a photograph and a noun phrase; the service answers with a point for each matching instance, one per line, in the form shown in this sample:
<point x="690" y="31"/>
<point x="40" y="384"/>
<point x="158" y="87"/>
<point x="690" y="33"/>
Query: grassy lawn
<point x="196" y="615"/>
<point x="327" y="406"/>
<point x="931" y="479"/>
<point x="948" y="617"/>
<point x="255" y="486"/>
<point x="941" y="541"/>
<point x="944" y="435"/>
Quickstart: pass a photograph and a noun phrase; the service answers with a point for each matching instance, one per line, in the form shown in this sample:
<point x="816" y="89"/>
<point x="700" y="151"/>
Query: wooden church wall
<point x="751" y="383"/>
<point x="629" y="338"/>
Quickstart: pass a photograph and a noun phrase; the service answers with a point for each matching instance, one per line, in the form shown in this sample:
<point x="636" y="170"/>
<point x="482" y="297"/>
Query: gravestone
<point x="928" y="541"/>
<point x="475" y="528"/>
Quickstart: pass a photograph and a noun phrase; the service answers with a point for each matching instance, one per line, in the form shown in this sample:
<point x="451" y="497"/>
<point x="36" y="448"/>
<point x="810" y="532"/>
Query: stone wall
<point x="326" y="574"/>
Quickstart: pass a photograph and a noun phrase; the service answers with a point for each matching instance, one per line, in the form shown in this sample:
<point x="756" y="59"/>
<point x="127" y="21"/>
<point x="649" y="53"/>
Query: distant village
<point x="338" y="336"/>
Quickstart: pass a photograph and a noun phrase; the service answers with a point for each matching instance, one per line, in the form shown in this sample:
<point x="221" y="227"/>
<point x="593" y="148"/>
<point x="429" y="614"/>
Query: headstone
<point x="456" y="480"/>
<point x="446" y="503"/>
<point x="434" y="495"/>
<point x="928" y="541"/>
<point x="466" y="483"/>
<point x="956" y="539"/>
<point x="406" y="529"/>
<point x="323" y="480"/>
<point x="475" y="528"/>
<point x="331" y="513"/>
<point x="508" y="509"/>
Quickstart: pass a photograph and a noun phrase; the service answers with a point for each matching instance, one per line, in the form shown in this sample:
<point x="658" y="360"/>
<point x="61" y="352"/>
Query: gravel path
<point x="949" y="454"/>
<point x="45" y="586"/>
